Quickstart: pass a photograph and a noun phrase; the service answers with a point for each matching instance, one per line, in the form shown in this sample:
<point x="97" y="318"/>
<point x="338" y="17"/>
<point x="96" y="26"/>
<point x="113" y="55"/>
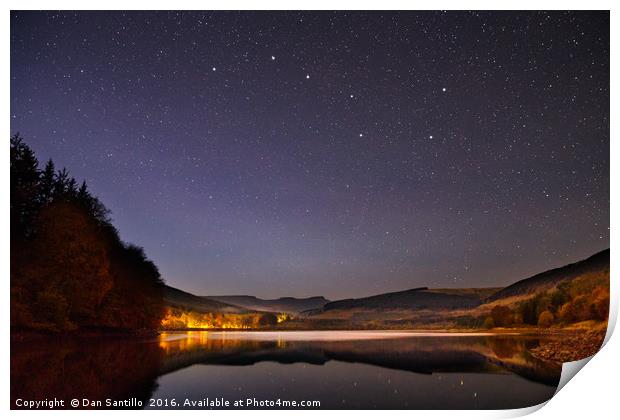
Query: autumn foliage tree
<point x="67" y="262"/>
<point x="502" y="316"/>
<point x="69" y="268"/>
<point x="545" y="319"/>
<point x="584" y="298"/>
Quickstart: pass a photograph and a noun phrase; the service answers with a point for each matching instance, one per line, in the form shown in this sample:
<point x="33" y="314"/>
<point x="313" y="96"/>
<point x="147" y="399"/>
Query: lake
<point x="331" y="369"/>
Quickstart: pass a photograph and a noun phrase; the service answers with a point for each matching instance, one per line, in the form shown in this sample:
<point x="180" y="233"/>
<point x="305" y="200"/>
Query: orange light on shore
<point x="177" y="318"/>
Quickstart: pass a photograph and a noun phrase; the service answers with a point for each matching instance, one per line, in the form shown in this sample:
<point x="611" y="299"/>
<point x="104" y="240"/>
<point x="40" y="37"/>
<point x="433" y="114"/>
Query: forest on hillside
<point x="584" y="298"/>
<point x="69" y="268"/>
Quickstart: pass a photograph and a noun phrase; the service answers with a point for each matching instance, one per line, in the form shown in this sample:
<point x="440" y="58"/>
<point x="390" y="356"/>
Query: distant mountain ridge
<point x="417" y="299"/>
<point x="283" y="304"/>
<point x="178" y="298"/>
<point x="422" y="298"/>
<point x="414" y="299"/>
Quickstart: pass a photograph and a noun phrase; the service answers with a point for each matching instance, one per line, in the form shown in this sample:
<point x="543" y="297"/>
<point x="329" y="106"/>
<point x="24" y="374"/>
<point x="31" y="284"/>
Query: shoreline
<point x="19" y="334"/>
<point x="493" y="331"/>
<point x="570" y="347"/>
<point x="558" y="345"/>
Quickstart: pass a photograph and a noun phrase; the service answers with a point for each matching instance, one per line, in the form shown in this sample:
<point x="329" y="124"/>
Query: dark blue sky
<point x="332" y="153"/>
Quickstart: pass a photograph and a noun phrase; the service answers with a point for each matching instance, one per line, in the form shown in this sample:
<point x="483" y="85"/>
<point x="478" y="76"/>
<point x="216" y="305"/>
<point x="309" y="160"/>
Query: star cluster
<point x="333" y="153"/>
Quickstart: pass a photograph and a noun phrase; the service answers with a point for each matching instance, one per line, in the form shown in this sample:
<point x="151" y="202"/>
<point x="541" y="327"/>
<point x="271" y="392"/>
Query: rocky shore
<point x="569" y="348"/>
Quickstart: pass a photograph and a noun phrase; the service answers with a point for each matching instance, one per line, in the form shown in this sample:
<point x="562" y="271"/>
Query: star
<point x="254" y="147"/>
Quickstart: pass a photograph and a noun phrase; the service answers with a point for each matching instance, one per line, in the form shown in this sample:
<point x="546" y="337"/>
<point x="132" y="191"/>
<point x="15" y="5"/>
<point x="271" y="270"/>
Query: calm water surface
<point x="340" y="369"/>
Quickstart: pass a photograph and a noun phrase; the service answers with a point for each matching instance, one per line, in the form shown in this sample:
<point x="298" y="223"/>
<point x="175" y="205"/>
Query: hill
<point x="551" y="278"/>
<point x="573" y="294"/>
<point x="284" y="304"/>
<point x="413" y="299"/>
<point x="178" y="298"/>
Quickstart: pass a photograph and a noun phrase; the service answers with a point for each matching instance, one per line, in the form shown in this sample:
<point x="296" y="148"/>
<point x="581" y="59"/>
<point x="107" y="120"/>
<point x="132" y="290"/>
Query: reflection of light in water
<point x="182" y="342"/>
<point x="334" y="335"/>
<point x="174" y="342"/>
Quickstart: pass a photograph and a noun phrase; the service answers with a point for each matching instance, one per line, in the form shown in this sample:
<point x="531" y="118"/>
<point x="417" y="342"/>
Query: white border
<point x="592" y="395"/>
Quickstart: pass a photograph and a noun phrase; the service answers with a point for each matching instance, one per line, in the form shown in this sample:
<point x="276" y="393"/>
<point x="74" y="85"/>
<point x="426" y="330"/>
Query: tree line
<point x="584" y="298"/>
<point x="69" y="267"/>
<point x="178" y="318"/>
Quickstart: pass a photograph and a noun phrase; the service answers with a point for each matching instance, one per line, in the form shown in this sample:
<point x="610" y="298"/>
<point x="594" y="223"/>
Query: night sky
<point x="328" y="153"/>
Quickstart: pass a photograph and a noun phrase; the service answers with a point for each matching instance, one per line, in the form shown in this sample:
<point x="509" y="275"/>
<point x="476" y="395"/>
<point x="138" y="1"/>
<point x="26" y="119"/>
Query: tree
<point x="561" y="295"/>
<point x="600" y="304"/>
<point x="24" y="188"/>
<point x="527" y="308"/>
<point x="502" y="316"/>
<point x="136" y="300"/>
<point x="567" y="313"/>
<point x="92" y="204"/>
<point x="69" y="267"/>
<point x="72" y="258"/>
<point x="545" y="319"/>
<point x="61" y="276"/>
<point x="267" y="320"/>
<point x="47" y="182"/>
<point x="61" y="183"/>
<point x="489" y="323"/>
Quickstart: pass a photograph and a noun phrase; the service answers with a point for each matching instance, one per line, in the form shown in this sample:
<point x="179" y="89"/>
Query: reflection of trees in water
<point x="95" y="369"/>
<point x="506" y="348"/>
<point x="513" y="354"/>
<point x="419" y="354"/>
<point x="122" y="369"/>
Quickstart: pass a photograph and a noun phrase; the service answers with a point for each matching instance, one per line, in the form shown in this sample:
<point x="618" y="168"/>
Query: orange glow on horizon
<point x="177" y="318"/>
